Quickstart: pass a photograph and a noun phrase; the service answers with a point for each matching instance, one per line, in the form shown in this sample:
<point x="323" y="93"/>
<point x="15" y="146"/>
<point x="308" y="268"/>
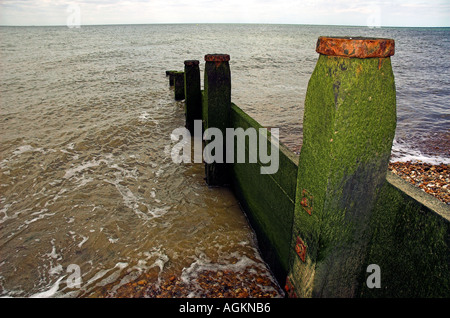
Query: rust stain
<point x="289" y="288"/>
<point x="307" y="201"/>
<point x="355" y="47"/>
<point x="300" y="249"/>
<point x="380" y="63"/>
<point x="304" y="202"/>
<point x="191" y="62"/>
<point x="217" y="58"/>
<point x="359" y="69"/>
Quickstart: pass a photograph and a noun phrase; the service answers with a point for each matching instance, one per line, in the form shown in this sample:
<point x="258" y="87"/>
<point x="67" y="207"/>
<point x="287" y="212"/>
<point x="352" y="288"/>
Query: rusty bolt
<point x="304" y="202"/>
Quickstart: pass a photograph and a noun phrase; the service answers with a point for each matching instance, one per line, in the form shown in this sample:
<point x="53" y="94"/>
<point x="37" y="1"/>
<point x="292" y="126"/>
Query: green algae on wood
<point x="349" y="125"/>
<point x="410" y="243"/>
<point x="267" y="199"/>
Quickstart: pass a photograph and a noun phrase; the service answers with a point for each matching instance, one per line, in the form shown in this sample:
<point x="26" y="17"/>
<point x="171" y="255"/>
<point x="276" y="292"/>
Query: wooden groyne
<point x="332" y="222"/>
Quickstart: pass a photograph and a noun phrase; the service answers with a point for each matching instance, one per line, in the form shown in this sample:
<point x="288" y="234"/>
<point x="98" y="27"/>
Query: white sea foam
<point x="105" y="276"/>
<point x="155" y="258"/>
<point x="160" y="262"/>
<point x="402" y="152"/>
<point x="56" y="197"/>
<point x="4" y="210"/>
<point x="158" y="212"/>
<point x="53" y="253"/>
<point x="40" y="216"/>
<point x="90" y="164"/>
<point x="137" y="203"/>
<point x="28" y="148"/>
<point x="159" y="172"/>
<point x="81" y="181"/>
<point x="85" y="238"/>
<point x="50" y="292"/>
<point x="144" y="116"/>
<point x="23" y="149"/>
<point x="202" y="263"/>
<point x="57" y="270"/>
<point x="98" y="276"/>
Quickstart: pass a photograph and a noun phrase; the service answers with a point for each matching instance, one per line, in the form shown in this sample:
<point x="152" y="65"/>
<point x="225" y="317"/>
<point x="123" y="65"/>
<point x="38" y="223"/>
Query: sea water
<point x="86" y="175"/>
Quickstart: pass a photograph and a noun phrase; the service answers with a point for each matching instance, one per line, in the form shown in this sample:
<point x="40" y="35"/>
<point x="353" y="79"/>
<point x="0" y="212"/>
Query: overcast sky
<point x="336" y="12"/>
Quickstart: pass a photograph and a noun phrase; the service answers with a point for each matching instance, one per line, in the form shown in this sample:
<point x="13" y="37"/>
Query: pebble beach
<point x="432" y="179"/>
<point x="431" y="175"/>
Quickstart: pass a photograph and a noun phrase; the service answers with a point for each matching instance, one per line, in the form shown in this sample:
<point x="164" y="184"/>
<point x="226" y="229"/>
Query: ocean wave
<point x="404" y="152"/>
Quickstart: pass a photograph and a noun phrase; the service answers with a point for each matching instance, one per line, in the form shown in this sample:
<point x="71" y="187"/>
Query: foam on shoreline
<point x="402" y="152"/>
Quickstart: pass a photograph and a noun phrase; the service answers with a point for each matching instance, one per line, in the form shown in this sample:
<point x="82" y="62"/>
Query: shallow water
<point x="86" y="175"/>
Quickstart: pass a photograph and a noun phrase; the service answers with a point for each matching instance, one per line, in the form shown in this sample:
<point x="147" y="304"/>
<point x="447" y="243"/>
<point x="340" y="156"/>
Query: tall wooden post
<point x="217" y="99"/>
<point x="192" y="88"/>
<point x="349" y="125"/>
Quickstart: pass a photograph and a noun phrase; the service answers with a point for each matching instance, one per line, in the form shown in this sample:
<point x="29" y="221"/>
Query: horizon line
<point x="206" y="23"/>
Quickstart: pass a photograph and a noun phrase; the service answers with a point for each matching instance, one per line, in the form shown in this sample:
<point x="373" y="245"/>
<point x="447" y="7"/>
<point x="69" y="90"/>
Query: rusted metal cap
<point x="191" y="62"/>
<point x="359" y="47"/>
<point x="217" y="57"/>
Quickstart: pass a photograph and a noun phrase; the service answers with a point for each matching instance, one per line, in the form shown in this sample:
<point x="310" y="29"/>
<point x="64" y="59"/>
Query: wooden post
<point x="217" y="99"/>
<point x="192" y="88"/>
<point x="179" y="85"/>
<point x="349" y="125"/>
<point x="171" y="77"/>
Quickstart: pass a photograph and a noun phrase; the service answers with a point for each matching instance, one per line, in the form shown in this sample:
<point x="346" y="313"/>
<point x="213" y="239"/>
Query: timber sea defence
<point x="333" y="221"/>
